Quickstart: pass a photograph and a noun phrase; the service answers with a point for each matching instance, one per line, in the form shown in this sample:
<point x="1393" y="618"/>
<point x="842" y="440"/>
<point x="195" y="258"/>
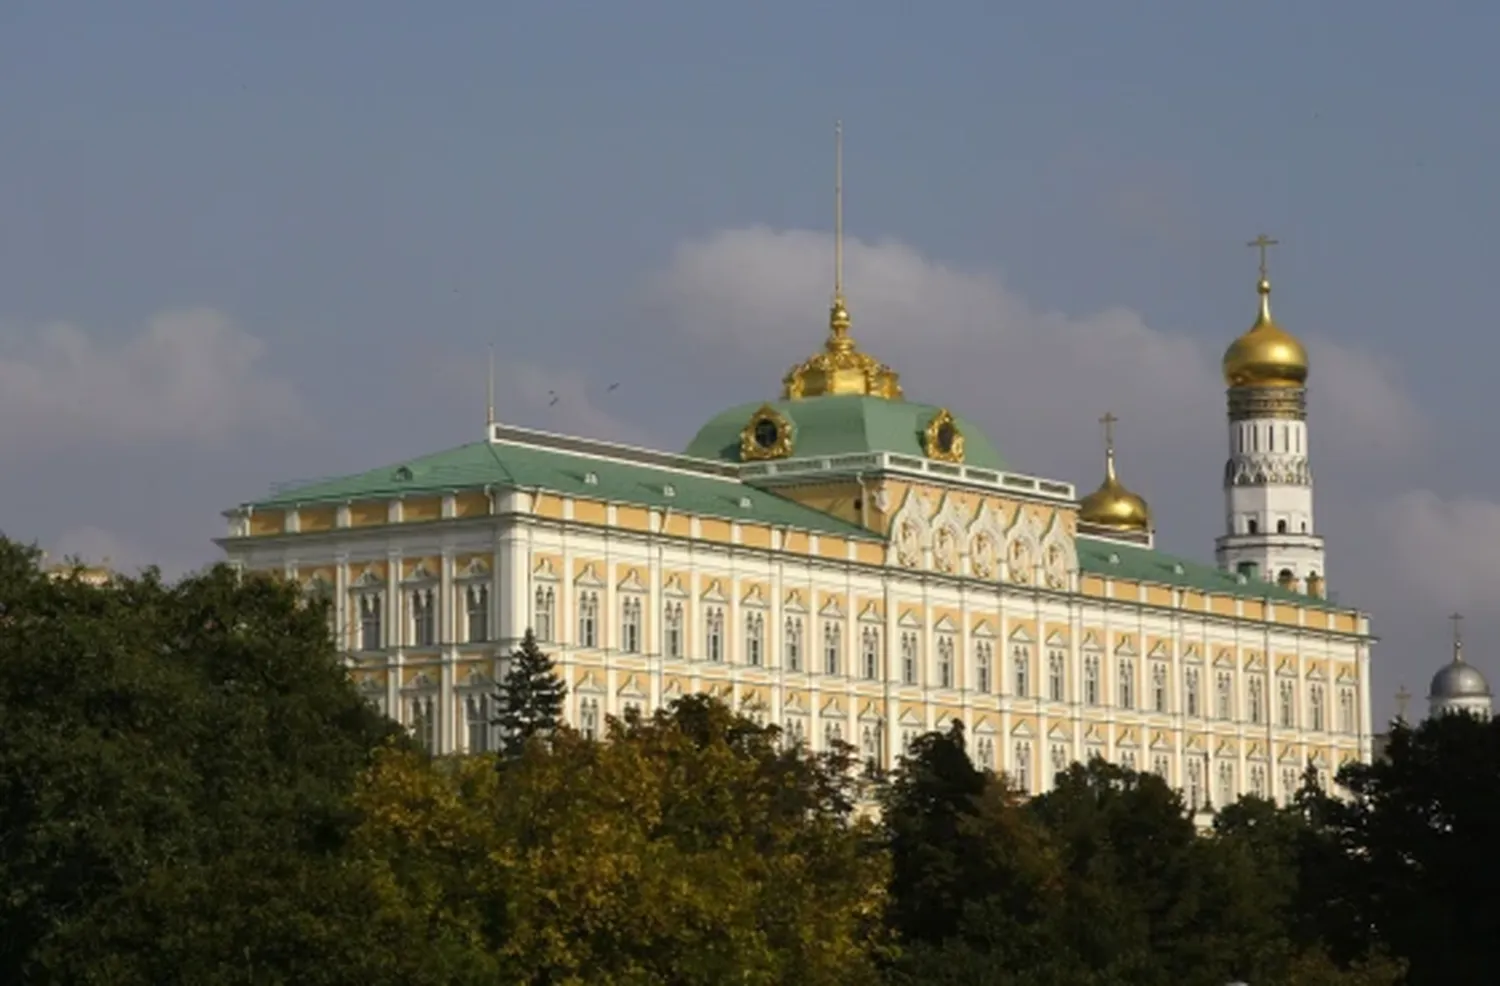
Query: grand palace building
<point x="853" y="565"/>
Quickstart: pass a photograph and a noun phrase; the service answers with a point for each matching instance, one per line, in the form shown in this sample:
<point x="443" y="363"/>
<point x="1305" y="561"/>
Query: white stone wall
<point x="1014" y="725"/>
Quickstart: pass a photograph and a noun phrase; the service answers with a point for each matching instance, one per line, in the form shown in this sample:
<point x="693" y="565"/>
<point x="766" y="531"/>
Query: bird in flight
<point x="552" y="394"/>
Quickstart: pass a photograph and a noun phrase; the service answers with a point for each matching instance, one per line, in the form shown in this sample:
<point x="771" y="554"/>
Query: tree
<point x="1413" y="846"/>
<point x="176" y="766"/>
<point x="531" y="696"/>
<point x="690" y="849"/>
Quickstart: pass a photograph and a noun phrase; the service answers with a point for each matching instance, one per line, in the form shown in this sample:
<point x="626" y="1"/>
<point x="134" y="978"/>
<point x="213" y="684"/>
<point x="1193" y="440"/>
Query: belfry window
<point x="1281" y="527"/>
<point x="1252" y="526"/>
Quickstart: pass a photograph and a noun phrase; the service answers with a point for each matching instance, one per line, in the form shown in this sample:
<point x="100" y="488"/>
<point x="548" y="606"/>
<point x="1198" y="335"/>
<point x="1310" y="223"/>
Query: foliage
<point x="191" y="792"/>
<point x="688" y="849"/>
<point x="530" y="698"/>
<point x="160" y="745"/>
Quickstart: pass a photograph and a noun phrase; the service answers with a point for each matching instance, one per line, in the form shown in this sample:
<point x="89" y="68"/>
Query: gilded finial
<point x="1264" y="243"/>
<point x="1458" y="637"/>
<point x="840" y="368"/>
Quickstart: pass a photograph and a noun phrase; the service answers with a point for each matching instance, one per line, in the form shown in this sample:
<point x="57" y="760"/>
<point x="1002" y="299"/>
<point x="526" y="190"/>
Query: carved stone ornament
<point x="983" y="556"/>
<point x="1055" y="565"/>
<point x="942" y="440"/>
<point x="767" y="435"/>
<point x="945" y="551"/>
<point x="1021" y="561"/>
<point x="909" y="543"/>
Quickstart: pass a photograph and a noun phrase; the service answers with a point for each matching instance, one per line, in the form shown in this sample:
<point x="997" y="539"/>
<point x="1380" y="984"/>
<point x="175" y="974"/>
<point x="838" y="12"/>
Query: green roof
<point x="530" y="467"/>
<point x="1147" y="565"/>
<point x="843" y="425"/>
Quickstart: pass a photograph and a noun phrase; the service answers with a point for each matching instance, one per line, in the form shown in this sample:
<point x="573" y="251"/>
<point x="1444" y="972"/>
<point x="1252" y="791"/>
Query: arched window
<point x="630" y="624"/>
<point x="1257" y="689"/>
<point x="1159" y="686"/>
<point x="1281" y="527"/>
<point x="1091" y="679"/>
<point x="870" y="653"/>
<point x="755" y="638"/>
<point x="588" y="619"/>
<point x="833" y="646"/>
<point x="1226" y="695"/>
<point x="1126" y="683"/>
<point x="945" y="661"/>
<point x="1021" y="661"/>
<point x="1288" y="703"/>
<point x="983" y="661"/>
<point x="1225" y="793"/>
<point x="792" y="646"/>
<point x="1022" y="772"/>
<point x="909" y="658"/>
<point x="1316" y="706"/>
<point x="1252" y="526"/>
<point x="713" y="633"/>
<point x="369" y="621"/>
<point x="542" y="616"/>
<point x="672" y="625"/>
<point x="1056" y="675"/>
<point x="1190" y="691"/>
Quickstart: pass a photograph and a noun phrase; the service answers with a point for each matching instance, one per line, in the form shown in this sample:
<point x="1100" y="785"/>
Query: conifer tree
<point x="530" y="699"/>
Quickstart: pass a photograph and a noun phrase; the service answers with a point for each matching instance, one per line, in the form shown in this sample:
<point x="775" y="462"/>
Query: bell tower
<point x="1268" y="490"/>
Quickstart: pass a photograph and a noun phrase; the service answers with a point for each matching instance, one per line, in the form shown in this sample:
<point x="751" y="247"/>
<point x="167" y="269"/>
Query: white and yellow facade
<point x="841" y="562"/>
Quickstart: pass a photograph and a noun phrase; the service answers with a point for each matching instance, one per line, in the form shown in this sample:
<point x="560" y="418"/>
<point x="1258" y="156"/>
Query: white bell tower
<point x="1268" y="490"/>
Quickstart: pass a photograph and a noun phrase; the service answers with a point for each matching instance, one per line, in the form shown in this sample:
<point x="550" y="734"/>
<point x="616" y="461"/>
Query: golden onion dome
<point x="1112" y="505"/>
<point x="1267" y="355"/>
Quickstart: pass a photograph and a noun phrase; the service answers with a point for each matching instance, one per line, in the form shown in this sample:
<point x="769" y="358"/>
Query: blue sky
<point x="246" y="243"/>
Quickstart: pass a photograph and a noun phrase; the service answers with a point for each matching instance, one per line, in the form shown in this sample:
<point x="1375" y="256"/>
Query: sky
<point x="244" y="244"/>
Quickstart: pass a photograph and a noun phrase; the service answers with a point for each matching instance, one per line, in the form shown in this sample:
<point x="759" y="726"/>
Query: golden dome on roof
<point x="1112" y="505"/>
<point x="841" y="368"/>
<point x="1267" y="355"/>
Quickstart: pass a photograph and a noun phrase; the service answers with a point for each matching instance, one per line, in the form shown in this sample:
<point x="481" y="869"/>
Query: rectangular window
<point x="477" y="612"/>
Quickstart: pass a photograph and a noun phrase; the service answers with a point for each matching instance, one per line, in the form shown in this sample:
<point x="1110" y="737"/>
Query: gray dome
<point x="1459" y="680"/>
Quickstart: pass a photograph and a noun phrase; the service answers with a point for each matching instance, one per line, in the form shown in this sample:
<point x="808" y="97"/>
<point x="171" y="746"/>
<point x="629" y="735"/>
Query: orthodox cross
<point x="1108" y="421"/>
<point x="1458" y="636"/>
<point x="1402" y="697"/>
<point x="1261" y="242"/>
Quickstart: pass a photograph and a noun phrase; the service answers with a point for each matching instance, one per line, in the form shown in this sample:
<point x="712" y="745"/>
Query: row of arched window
<point x="421" y="611"/>
<point x="945" y="672"/>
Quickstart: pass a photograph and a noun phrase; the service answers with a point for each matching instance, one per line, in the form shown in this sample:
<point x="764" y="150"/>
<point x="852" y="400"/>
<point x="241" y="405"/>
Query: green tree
<point x="530" y="698"/>
<point x="1413" y="846"/>
<point x="176" y="768"/>
<point x="690" y="849"/>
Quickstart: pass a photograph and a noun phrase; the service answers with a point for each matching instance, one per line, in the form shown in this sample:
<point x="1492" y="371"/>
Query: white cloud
<point x="966" y="338"/>
<point x="188" y="375"/>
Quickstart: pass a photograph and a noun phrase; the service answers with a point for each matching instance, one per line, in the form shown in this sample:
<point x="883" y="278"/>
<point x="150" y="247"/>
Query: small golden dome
<point x="841" y="368"/>
<point x="1267" y="355"/>
<point x="1112" y="505"/>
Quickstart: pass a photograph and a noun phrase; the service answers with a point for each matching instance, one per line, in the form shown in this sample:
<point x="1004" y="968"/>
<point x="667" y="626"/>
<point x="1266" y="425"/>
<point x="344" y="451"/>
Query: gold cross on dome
<point x="1457" y="620"/>
<point x="1262" y="242"/>
<point x="1108" y="421"/>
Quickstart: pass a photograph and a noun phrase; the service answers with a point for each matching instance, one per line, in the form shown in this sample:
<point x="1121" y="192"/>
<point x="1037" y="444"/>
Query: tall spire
<point x="840" y="369"/>
<point x="1458" y="638"/>
<point x="489" y="391"/>
<point x="838" y="313"/>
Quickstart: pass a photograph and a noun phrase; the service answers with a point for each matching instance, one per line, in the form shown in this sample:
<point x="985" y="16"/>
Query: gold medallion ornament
<point x="942" y="440"/>
<point x="768" y="435"/>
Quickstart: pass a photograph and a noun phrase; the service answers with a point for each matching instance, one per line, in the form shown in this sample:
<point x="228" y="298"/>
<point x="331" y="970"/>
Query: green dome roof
<point x="843" y="425"/>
